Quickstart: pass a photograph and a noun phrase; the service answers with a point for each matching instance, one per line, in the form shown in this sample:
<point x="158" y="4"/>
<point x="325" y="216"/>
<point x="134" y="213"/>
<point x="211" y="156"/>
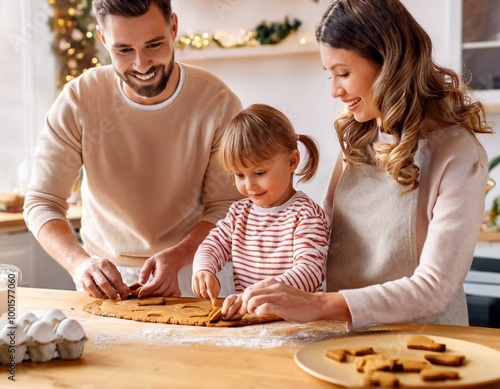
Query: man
<point x="146" y="130"/>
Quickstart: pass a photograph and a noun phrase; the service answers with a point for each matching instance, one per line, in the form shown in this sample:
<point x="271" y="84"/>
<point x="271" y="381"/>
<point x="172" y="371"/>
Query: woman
<point x="406" y="198"/>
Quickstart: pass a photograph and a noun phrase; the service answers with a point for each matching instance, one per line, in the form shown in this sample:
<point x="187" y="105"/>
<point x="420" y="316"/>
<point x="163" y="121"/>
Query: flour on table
<point x="258" y="336"/>
<point x="268" y="335"/>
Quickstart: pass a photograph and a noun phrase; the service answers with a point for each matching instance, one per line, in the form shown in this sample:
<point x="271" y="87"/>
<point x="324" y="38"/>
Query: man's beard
<point x="153" y="90"/>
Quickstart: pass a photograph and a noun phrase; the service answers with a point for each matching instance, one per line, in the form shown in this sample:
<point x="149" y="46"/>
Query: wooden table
<point x="125" y="354"/>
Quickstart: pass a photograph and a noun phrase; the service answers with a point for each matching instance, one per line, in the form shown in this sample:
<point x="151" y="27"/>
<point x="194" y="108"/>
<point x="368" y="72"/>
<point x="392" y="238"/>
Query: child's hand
<point x="231" y="306"/>
<point x="206" y="285"/>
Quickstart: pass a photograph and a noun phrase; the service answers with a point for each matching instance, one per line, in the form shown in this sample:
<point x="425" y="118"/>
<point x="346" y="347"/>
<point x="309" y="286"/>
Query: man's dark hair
<point x="129" y="8"/>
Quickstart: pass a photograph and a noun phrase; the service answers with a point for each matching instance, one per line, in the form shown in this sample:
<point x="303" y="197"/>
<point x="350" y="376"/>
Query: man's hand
<point x="164" y="268"/>
<point x="100" y="278"/>
<point x="165" y="265"/>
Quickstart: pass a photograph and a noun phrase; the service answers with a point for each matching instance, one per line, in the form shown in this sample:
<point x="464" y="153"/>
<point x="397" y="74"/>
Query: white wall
<point x="11" y="94"/>
<point x="28" y="85"/>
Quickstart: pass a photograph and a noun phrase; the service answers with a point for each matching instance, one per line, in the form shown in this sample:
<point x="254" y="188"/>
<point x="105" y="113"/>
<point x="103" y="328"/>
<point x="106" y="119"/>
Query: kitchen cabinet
<point x="16" y="249"/>
<point x="480" y="48"/>
<point x="482" y="285"/>
<point x="19" y="247"/>
<point x="39" y="269"/>
<point x="488" y="249"/>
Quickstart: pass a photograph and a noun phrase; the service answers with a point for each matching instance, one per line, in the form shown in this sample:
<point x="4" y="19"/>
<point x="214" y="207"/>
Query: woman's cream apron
<point x="373" y="238"/>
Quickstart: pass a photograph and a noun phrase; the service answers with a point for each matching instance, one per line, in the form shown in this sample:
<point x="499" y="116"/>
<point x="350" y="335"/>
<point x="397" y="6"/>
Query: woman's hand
<point x="271" y="297"/>
<point x="231" y="307"/>
<point x="206" y="285"/>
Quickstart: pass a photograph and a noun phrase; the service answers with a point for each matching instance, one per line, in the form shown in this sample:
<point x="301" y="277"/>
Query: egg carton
<point x="40" y="340"/>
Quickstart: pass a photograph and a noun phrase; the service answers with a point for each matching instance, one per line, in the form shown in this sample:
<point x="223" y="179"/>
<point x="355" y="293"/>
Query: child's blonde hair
<point x="259" y="133"/>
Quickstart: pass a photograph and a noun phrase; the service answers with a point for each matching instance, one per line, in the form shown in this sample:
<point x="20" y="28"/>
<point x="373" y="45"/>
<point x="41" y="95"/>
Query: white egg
<point x="12" y="334"/>
<point x="70" y="329"/>
<point x="25" y="319"/>
<point x="41" y="332"/>
<point x="53" y="317"/>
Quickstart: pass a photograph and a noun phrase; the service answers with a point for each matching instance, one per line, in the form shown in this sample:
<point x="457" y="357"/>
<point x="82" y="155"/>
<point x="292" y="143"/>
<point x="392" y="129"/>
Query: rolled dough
<point x="171" y="310"/>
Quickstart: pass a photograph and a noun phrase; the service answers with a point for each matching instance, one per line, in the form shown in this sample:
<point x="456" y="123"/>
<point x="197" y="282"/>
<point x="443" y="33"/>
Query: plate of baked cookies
<point x="400" y="360"/>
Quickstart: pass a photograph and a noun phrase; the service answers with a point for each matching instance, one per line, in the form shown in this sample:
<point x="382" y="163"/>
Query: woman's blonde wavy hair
<point x="410" y="90"/>
<point x="259" y="133"/>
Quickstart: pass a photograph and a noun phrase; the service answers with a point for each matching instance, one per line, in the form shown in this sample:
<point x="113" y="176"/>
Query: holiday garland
<point x="272" y="33"/>
<point x="74" y="37"/>
<point x="265" y="34"/>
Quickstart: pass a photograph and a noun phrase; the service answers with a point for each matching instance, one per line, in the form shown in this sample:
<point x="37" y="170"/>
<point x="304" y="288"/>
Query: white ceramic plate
<point x="482" y="363"/>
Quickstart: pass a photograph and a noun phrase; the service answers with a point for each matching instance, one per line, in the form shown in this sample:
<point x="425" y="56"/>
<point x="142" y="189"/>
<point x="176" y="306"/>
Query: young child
<point x="276" y="231"/>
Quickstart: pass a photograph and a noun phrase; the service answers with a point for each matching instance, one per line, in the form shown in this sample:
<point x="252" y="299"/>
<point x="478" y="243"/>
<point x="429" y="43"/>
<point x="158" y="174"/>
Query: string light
<point x="194" y="41"/>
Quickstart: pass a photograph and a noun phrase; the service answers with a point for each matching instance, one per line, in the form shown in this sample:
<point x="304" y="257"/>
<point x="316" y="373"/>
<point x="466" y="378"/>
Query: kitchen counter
<point x="489" y="236"/>
<point x="125" y="354"/>
<point x="14" y="222"/>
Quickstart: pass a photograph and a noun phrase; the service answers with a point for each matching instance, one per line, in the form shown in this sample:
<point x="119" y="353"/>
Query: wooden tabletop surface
<point x="126" y="354"/>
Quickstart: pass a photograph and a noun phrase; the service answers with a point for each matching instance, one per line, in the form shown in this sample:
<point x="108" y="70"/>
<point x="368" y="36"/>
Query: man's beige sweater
<point x="151" y="172"/>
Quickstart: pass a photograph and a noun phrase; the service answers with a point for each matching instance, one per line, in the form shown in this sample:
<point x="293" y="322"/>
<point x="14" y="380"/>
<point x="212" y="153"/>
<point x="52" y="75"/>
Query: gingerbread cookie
<point x="360" y="351"/>
<point x="338" y="355"/>
<point x="439" y="375"/>
<point x="374" y="362"/>
<point x="445" y="359"/>
<point x="421" y="342"/>
<point x="410" y="365"/>
<point x="381" y="378"/>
